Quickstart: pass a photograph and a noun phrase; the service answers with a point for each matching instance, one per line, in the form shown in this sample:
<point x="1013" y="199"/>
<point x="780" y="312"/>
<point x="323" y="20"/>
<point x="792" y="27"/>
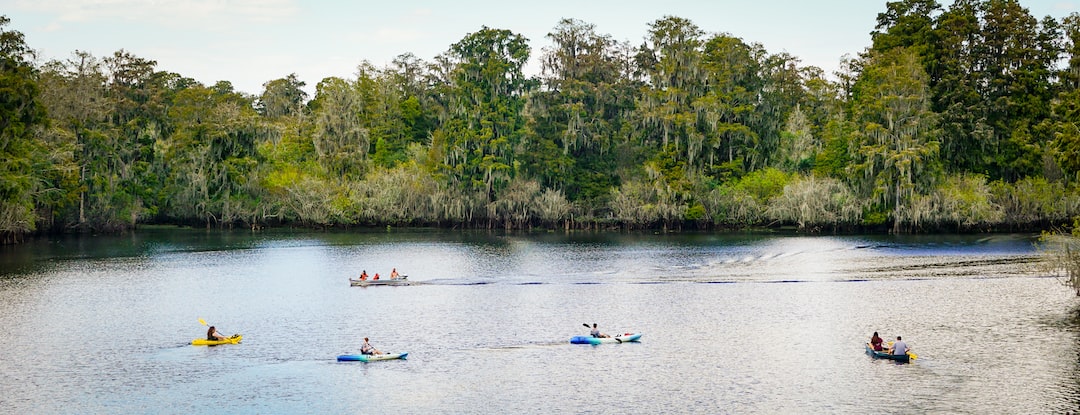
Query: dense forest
<point x="957" y="119"/>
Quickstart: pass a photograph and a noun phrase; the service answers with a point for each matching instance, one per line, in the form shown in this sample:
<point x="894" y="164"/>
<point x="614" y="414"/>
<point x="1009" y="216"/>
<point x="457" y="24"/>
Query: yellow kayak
<point x="204" y="342"/>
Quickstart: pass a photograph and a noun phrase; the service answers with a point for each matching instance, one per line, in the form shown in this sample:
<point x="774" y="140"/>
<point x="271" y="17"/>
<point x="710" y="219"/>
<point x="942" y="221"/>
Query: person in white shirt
<point x="368" y="349"/>
<point x="899" y="347"/>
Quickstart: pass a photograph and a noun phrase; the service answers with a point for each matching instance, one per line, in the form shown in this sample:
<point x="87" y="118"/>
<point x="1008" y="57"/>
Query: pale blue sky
<point x="250" y="42"/>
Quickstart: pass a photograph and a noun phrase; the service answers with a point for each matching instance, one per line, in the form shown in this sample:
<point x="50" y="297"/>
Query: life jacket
<point x="376" y="276"/>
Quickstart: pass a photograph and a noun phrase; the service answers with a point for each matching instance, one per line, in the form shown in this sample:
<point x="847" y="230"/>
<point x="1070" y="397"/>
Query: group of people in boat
<point x="393" y="275"/>
<point x="899" y="347"/>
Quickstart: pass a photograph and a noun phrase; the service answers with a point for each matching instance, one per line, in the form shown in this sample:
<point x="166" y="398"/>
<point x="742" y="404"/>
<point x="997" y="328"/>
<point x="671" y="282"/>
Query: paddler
<point x="596" y="332"/>
<point x="212" y="334"/>
<point x="899" y="347"/>
<point x="368" y="349"/>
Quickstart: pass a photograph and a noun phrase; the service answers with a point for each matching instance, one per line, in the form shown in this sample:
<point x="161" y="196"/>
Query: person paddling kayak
<point x="368" y="349"/>
<point x="596" y="332"/>
<point x="212" y="334"/>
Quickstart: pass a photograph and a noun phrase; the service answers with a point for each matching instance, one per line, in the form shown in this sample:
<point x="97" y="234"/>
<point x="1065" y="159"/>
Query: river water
<point x="769" y="324"/>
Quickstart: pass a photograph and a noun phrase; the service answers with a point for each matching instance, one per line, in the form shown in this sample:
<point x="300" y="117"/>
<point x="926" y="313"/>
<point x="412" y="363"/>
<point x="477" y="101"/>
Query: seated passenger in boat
<point x="368" y="349"/>
<point x="875" y="342"/>
<point x="212" y="334"/>
<point x="898" y="347"/>
<point x="596" y="332"/>
<point x="394" y="274"/>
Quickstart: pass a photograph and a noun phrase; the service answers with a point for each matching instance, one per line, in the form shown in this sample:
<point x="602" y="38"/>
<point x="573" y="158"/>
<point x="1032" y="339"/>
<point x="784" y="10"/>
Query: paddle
<point x="203" y="322"/>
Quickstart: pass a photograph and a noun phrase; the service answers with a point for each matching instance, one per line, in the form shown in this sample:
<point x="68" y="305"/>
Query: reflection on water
<point x="732" y="323"/>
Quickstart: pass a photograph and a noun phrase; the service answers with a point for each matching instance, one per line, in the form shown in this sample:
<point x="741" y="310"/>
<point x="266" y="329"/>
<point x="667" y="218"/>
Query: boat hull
<point x="371" y="357"/>
<point x="902" y="358"/>
<point x="622" y="338"/>
<point x="403" y="280"/>
<point x="204" y="342"/>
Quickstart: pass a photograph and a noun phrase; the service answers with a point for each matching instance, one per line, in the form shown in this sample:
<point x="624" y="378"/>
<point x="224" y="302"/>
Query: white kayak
<point x="403" y="280"/>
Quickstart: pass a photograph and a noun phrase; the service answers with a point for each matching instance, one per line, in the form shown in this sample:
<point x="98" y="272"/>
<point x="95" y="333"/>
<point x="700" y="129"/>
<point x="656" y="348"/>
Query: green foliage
<point x="282" y="97"/>
<point x="689" y="128"/>
<point x="486" y="85"/>
<point x="399" y="195"/>
<point x="814" y="202"/>
<point x="992" y="67"/>
<point x="649" y="201"/>
<point x="343" y="133"/>
<point x="20" y="154"/>
<point x="577" y="119"/>
<point x="212" y="156"/>
<point x="874" y="216"/>
<point x="897" y="134"/>
<point x="1034" y="200"/>
<point x="956" y="89"/>
<point x="744" y="202"/>
<point x="675" y="80"/>
<point x="798" y="146"/>
<point x="1067" y="134"/>
<point x="695" y="213"/>
<point x="1060" y="255"/>
<point x="765" y="184"/>
<point x="962" y="201"/>
<point x="726" y="112"/>
<point x="731" y="205"/>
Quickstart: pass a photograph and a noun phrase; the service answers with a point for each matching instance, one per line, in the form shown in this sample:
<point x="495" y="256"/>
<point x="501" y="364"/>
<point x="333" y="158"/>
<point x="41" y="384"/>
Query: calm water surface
<point x="732" y="324"/>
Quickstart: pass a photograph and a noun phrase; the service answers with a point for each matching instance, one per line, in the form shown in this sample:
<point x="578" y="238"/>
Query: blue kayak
<point x="371" y="357"/>
<point x="622" y="338"/>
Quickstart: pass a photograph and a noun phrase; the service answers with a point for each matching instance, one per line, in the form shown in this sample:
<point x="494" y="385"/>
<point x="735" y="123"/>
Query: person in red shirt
<point x="875" y="342"/>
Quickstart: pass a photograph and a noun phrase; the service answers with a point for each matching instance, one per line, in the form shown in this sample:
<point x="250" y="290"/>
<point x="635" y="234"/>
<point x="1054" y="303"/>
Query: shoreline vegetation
<point x="959" y="119"/>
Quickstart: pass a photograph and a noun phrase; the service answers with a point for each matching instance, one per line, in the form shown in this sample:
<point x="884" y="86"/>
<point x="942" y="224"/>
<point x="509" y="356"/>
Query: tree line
<point x="957" y="119"/>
